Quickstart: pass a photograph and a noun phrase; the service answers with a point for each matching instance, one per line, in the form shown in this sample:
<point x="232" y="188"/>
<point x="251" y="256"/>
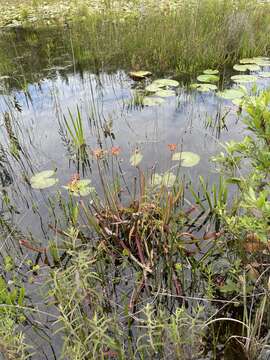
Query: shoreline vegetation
<point x="156" y="266"/>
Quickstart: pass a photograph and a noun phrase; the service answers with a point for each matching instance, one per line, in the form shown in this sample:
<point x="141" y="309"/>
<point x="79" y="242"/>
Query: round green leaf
<point x="43" y="183"/>
<point x="248" y="61"/>
<point x="139" y="74"/>
<point x="244" y="78"/>
<point x="168" y="179"/>
<point x="43" y="180"/>
<point x="231" y="94"/>
<point x="265" y="74"/>
<point x="152" y="88"/>
<point x="208" y="78"/>
<point x="42" y="175"/>
<point x="211" y="72"/>
<point x="152" y="101"/>
<point x="165" y="93"/>
<point x="250" y="67"/>
<point x="187" y="158"/>
<point x="156" y="180"/>
<point x="136" y="158"/>
<point x="166" y="82"/>
<point x="203" y="87"/>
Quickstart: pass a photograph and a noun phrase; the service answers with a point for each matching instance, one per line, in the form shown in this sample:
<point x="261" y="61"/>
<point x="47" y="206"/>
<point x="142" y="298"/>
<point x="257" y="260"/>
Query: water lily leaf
<point x="208" y="78"/>
<point x="168" y="179"/>
<point x="248" y="61"/>
<point x="250" y="67"/>
<point x="203" y="87"/>
<point x="156" y="179"/>
<point x="165" y="93"/>
<point x="238" y="102"/>
<point x="231" y="94"/>
<point x="211" y="72"/>
<point x="43" y="180"/>
<point x="136" y="158"/>
<point x="265" y="74"/>
<point x="80" y="188"/>
<point x="263" y="63"/>
<point x="139" y="74"/>
<point x="153" y="88"/>
<point x="188" y="159"/>
<point x="244" y="78"/>
<point x="166" y="82"/>
<point x="152" y="101"/>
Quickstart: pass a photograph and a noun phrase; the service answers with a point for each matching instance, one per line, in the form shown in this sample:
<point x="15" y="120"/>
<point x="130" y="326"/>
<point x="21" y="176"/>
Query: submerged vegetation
<point x="127" y="256"/>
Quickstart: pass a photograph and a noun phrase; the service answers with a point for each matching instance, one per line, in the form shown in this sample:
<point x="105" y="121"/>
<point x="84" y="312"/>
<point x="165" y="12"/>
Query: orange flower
<point x="115" y="150"/>
<point x="172" y="147"/>
<point x="98" y="153"/>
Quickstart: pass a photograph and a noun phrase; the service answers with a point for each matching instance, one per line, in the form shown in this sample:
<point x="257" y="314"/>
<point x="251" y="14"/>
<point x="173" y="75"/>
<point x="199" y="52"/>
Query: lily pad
<point x="203" y="87"/>
<point x="231" y="94"/>
<point x="211" y="72"/>
<point x="250" y="67"/>
<point x="168" y="179"/>
<point x="166" y="82"/>
<point x="43" y="180"/>
<point x="136" y="158"/>
<point x="152" y="101"/>
<point x="208" y="78"/>
<point x="153" y="88"/>
<point x="187" y="158"/>
<point x="265" y="74"/>
<point x="248" y="61"/>
<point x="244" y="78"/>
<point x="139" y="74"/>
<point x="165" y="93"/>
<point x="80" y="188"/>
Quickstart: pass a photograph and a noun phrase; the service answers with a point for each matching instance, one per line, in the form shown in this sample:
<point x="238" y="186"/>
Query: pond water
<point x="42" y="84"/>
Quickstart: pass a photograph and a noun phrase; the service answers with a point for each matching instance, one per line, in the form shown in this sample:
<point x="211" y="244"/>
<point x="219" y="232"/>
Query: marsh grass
<point x="199" y="35"/>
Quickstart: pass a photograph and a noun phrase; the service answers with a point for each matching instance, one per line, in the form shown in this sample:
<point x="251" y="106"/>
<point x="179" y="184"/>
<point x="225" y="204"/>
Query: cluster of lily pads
<point x="157" y="90"/>
<point x="46" y="179"/>
<point x="78" y="187"/>
<point x="210" y="76"/>
<point x="187" y="159"/>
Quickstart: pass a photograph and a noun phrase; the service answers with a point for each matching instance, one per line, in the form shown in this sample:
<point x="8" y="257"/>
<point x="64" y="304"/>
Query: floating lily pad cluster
<point x="159" y="89"/>
<point x="206" y="79"/>
<point x="46" y="179"/>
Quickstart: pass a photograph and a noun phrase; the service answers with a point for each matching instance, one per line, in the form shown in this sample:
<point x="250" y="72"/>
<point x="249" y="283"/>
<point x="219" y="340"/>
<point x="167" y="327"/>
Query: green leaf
<point x="204" y="87"/>
<point x="80" y="188"/>
<point x="187" y="158"/>
<point x="139" y="74"/>
<point x="265" y="74"/>
<point x="153" y="88"/>
<point x="231" y="94"/>
<point x="211" y="72"/>
<point x="168" y="179"/>
<point x="166" y="82"/>
<point x="136" y="158"/>
<point x="244" y="78"/>
<point x="208" y="78"/>
<point x="250" y="67"/>
<point x="43" y="180"/>
<point x="165" y="93"/>
<point x="152" y="101"/>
